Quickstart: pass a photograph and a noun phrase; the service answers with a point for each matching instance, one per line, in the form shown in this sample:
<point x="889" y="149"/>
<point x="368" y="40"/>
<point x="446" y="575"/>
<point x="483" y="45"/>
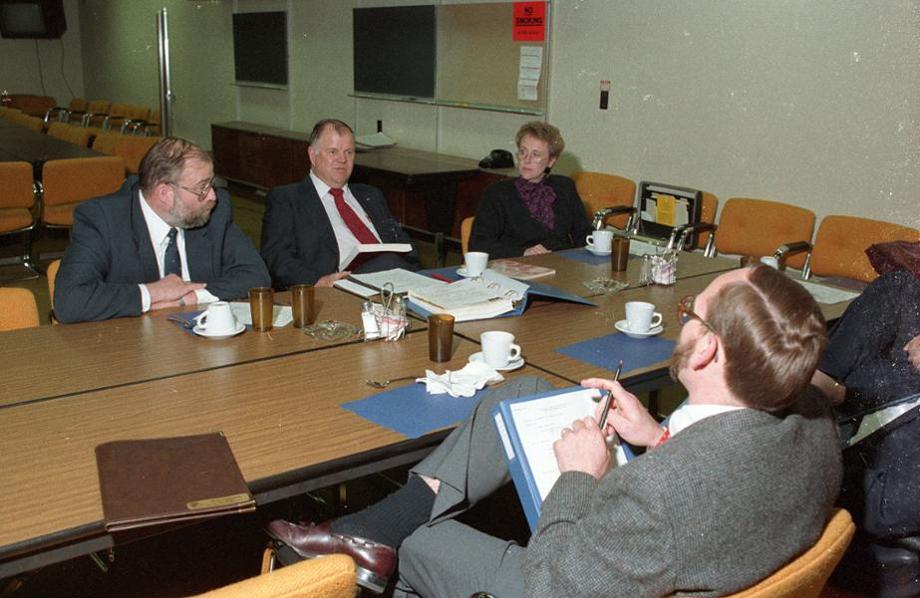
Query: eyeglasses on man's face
<point x="685" y="312"/>
<point x="200" y="193"/>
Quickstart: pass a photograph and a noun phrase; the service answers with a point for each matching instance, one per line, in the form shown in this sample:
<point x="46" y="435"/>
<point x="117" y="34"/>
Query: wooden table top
<point x="281" y="416"/>
<point x="20" y="143"/>
<point x="78" y="358"/>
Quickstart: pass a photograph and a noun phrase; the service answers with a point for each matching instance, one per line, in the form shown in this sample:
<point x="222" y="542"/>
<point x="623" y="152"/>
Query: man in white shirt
<point x="311" y="229"/>
<point x="165" y="239"/>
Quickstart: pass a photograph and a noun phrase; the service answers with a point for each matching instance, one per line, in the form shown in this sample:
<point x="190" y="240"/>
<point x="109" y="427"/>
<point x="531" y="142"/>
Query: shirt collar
<point x="322" y="189"/>
<point x="687" y="415"/>
<point x="156" y="226"/>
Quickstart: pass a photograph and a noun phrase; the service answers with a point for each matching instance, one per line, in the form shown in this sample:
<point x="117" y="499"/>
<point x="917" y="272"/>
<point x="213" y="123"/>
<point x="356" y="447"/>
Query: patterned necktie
<point x="171" y="263"/>
<point x="352" y="221"/>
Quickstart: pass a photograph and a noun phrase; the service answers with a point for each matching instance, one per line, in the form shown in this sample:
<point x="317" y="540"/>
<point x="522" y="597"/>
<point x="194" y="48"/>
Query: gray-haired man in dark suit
<point x="740" y="483"/>
<point x="166" y="239"/>
<point x="310" y="227"/>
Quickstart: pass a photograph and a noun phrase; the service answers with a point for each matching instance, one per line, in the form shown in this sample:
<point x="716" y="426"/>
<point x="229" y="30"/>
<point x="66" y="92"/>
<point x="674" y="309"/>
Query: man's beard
<point x="679" y="358"/>
<point x="183" y="216"/>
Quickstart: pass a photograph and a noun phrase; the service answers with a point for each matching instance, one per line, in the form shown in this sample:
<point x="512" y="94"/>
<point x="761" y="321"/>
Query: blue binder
<point x="518" y="464"/>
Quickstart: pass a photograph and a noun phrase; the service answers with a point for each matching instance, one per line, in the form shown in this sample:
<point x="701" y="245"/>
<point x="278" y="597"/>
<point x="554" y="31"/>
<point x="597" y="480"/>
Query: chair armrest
<point x="681" y="233"/>
<point x="601" y="215"/>
<point x="785" y="250"/>
<point x="58" y="110"/>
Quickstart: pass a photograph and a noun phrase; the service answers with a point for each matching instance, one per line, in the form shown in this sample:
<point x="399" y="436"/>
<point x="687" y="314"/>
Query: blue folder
<point x="518" y="464"/>
<point x="411" y="411"/>
<point x="604" y="351"/>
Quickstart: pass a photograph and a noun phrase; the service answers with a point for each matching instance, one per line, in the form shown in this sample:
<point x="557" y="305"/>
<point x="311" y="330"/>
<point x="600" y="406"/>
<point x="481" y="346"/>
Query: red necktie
<point x="352" y="221"/>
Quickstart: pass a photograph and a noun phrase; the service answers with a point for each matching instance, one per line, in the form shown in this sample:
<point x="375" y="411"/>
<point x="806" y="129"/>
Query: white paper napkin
<point x="461" y="383"/>
<point x="282" y="315"/>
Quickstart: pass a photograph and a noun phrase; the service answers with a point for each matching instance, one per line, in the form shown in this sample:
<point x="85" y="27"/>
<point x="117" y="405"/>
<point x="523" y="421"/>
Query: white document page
<point x="539" y="424"/>
<point x="402" y="280"/>
<point x="354" y="288"/>
<point x="827" y="294"/>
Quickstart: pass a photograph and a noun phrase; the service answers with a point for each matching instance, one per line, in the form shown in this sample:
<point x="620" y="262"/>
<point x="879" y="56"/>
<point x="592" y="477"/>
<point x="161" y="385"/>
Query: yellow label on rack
<point x="665" y="210"/>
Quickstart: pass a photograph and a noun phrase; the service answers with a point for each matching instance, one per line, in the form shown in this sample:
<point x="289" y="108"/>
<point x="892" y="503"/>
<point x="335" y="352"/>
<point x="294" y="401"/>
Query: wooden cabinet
<point x="258" y="156"/>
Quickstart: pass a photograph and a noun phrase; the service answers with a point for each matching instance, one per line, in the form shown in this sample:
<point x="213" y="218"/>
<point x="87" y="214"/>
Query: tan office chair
<point x="133" y="149"/>
<point x="332" y="576"/>
<point x="127" y="118"/>
<point x="841" y="243"/>
<point x="466" y="227"/>
<point x="67" y="183"/>
<point x="599" y="190"/>
<point x="806" y="576"/>
<point x="17" y="309"/>
<point x="18" y="194"/>
<point x="33" y="123"/>
<point x="106" y="143"/>
<point x="757" y="227"/>
<point x="95" y="114"/>
<point x="70" y="133"/>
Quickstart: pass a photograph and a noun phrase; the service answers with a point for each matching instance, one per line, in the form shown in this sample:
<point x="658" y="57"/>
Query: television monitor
<point x="394" y="50"/>
<point x="32" y="19"/>
<point x="260" y="48"/>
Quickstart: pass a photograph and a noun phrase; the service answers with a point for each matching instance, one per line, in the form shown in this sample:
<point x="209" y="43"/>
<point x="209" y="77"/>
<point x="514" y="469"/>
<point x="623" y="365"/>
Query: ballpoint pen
<point x="607" y="396"/>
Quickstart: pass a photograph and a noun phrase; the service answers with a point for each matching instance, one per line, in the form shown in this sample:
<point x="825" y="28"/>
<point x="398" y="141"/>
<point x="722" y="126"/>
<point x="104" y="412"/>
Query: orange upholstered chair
<point x="466" y="227"/>
<point x="106" y="143"/>
<point x="132" y="149"/>
<point x="17" y="208"/>
<point x="757" y="227"/>
<point x="17" y="309"/>
<point x="70" y="133"/>
<point x="841" y="243"/>
<point x="806" y="576"/>
<point x="599" y="190"/>
<point x="332" y="576"/>
<point x="67" y="183"/>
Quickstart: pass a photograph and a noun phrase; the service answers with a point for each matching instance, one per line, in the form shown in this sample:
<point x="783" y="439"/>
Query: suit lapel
<point x="197" y="253"/>
<point x="150" y="272"/>
<point x="364" y="198"/>
<point x="313" y="211"/>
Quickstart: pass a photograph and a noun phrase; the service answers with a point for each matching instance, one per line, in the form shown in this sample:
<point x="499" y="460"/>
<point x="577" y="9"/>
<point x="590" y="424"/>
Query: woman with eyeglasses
<point x="537" y="212"/>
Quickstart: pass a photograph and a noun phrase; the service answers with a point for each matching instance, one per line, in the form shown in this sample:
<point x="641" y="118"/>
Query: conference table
<point x="277" y="396"/>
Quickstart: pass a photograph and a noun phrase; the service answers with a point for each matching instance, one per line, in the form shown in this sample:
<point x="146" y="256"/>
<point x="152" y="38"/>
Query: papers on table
<point x="402" y="280"/>
<point x="467" y="299"/>
<point x="637" y="247"/>
<point x="374" y="140"/>
<point x="827" y="294"/>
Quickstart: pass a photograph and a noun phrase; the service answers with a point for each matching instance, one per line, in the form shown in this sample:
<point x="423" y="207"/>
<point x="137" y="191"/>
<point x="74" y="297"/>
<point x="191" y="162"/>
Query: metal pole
<point x="166" y="94"/>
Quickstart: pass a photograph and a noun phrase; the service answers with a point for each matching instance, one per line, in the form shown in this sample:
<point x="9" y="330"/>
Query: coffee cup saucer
<point x="622" y="327"/>
<point x="596" y="251"/>
<point x="240" y="327"/>
<point x="462" y="272"/>
<point x="512" y="365"/>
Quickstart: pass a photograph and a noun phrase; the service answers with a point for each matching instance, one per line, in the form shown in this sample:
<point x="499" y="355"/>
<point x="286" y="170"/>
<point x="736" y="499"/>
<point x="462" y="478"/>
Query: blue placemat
<point x="185" y="316"/>
<point x="411" y="411"/>
<point x="583" y="255"/>
<point x="605" y="351"/>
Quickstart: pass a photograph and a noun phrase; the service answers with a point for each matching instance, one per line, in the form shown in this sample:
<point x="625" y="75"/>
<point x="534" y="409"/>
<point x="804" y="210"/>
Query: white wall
<point x="52" y="67"/>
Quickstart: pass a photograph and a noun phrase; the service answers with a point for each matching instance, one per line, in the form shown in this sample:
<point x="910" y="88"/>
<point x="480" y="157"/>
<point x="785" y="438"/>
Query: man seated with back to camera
<point x="741" y="482"/>
<point x="165" y="239"/>
<point x="310" y="227"/>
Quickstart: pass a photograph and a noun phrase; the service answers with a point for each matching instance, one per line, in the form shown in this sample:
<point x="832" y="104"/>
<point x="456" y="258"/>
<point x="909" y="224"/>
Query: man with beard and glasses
<point x="741" y="482"/>
<point x="165" y="239"/>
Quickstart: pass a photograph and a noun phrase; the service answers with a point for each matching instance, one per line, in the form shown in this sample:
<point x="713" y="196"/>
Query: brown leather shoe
<point x="375" y="562"/>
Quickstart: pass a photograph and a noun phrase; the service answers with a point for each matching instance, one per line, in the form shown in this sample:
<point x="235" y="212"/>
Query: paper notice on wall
<point x="531" y="66"/>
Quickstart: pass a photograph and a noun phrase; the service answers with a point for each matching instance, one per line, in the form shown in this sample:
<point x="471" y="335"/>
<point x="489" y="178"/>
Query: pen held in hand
<point x="607" y="396"/>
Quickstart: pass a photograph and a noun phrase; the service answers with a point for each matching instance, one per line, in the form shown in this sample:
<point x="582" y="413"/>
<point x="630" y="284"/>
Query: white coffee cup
<point x="498" y="348"/>
<point x="771" y="261"/>
<point x="600" y="240"/>
<point x="475" y="262"/>
<point x="641" y="316"/>
<point x="217" y="319"/>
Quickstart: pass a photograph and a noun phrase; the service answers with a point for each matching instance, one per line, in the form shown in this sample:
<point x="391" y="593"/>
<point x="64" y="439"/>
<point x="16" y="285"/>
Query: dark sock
<point x="394" y="518"/>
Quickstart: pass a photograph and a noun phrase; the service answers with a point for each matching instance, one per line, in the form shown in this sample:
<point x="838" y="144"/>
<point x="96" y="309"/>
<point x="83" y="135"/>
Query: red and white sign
<point x="529" y="22"/>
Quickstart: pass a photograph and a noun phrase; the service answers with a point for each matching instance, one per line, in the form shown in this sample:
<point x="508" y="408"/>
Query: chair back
<point x="98" y="106"/>
<point x="17" y="309"/>
<point x="132" y="149"/>
<point x="600" y="190"/>
<point x="332" y="576"/>
<point x="67" y="183"/>
<point x="70" y="133"/>
<point x="77" y="104"/>
<point x="16" y="185"/>
<point x="841" y="243"/>
<point x="106" y="143"/>
<point x="33" y="123"/>
<point x="707" y="214"/>
<point x="756" y="227"/>
<point x="466" y="227"/>
<point x="806" y="576"/>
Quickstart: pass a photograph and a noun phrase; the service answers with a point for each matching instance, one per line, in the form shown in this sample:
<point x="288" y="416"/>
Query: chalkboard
<point x="260" y="48"/>
<point x="394" y="49"/>
<point x="455" y="55"/>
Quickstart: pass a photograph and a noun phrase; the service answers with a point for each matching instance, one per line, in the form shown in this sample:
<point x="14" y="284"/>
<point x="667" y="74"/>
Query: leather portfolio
<point x="165" y="480"/>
